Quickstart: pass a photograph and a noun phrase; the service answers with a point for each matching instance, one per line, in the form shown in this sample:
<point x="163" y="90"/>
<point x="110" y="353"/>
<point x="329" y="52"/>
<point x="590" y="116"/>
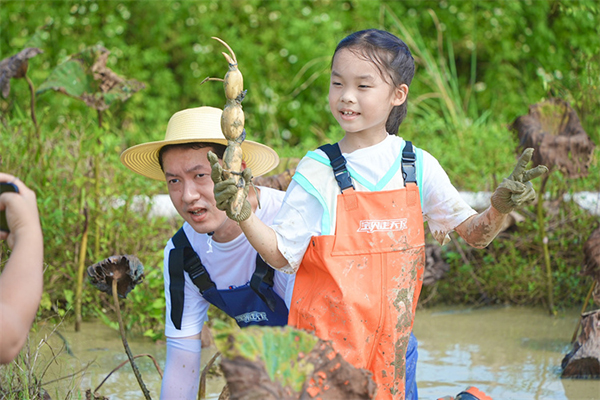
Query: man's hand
<point x="227" y="191"/>
<point x="516" y="190"/>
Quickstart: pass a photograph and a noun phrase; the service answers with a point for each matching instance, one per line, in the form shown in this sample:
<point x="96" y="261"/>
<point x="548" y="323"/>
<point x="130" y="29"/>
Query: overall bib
<point x="254" y="303"/>
<point x="359" y="287"/>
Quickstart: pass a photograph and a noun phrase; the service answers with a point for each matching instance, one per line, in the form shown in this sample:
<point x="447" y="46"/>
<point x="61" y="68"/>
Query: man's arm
<point x="182" y="369"/>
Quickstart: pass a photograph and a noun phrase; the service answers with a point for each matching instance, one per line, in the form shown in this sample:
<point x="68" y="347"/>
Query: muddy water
<point x="98" y="350"/>
<point x="510" y="353"/>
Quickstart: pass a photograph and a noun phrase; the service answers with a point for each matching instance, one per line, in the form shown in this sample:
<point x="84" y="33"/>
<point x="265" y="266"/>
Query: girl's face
<point x="359" y="98"/>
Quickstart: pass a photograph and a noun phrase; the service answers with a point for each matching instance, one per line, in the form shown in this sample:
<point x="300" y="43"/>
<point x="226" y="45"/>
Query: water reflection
<point x="508" y="352"/>
<point x="511" y="353"/>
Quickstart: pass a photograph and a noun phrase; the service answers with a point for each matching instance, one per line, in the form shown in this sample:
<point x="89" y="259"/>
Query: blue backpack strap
<point x="184" y="258"/>
<point x="338" y="163"/>
<point x="408" y="163"/>
<point x="263" y="273"/>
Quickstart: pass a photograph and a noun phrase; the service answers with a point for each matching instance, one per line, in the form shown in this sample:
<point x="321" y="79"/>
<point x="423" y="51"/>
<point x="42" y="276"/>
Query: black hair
<point x="217" y="148"/>
<point x="391" y="56"/>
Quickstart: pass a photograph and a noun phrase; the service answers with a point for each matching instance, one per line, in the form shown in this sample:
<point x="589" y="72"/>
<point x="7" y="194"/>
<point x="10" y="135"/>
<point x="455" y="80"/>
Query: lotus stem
<point x="587" y="298"/>
<point x="202" y="386"/>
<point x="32" y="92"/>
<point x="81" y="266"/>
<point x="125" y="362"/>
<point x="136" y="372"/>
<point x="544" y="237"/>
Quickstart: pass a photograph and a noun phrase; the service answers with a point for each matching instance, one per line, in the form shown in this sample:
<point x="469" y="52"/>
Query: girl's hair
<point x="391" y="56"/>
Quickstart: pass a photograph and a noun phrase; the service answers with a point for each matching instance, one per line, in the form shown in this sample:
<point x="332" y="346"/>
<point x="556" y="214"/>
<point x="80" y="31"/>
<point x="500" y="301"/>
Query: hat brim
<point x="195" y="125"/>
<point x="143" y="158"/>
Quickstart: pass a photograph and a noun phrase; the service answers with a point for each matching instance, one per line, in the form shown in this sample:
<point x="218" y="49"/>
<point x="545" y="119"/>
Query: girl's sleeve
<point x="298" y="220"/>
<point x="443" y="207"/>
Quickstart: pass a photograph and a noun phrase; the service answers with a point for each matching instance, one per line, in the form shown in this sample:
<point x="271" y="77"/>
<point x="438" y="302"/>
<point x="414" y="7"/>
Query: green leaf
<point x="282" y="349"/>
<point x="84" y="76"/>
<point x="68" y="78"/>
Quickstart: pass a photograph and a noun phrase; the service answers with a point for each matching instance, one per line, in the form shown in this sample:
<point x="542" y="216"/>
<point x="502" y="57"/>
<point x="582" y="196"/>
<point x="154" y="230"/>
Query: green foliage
<point x="511" y="269"/>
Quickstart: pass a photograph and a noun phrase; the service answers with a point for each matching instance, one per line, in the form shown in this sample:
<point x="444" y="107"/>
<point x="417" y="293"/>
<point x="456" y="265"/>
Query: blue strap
<point x="408" y="163"/>
<point x="184" y="258"/>
<point x="338" y="163"/>
<point x="263" y="273"/>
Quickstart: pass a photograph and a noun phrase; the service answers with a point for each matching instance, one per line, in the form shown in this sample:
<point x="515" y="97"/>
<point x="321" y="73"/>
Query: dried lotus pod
<point x="15" y="67"/>
<point x="553" y="129"/>
<point x="127" y="270"/>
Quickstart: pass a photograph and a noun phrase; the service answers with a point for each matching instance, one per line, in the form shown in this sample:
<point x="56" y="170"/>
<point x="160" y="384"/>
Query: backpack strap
<point x="184" y="258"/>
<point x="338" y="163"/>
<point x="408" y="163"/>
<point x="263" y="273"/>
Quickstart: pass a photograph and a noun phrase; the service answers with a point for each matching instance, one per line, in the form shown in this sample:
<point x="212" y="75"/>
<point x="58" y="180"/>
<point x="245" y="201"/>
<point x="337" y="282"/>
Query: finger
<point x="522" y="164"/>
<point x="528" y="196"/>
<point x="247" y="175"/>
<point x="216" y="173"/>
<point x="534" y="173"/>
<point x="513" y="186"/>
<point x="226" y="187"/>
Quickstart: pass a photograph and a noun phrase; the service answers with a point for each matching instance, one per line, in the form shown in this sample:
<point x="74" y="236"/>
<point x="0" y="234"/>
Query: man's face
<point x="187" y="172"/>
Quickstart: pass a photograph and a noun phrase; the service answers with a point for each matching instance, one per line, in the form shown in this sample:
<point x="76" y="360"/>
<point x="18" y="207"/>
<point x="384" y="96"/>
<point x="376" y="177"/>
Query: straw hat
<point x="202" y="124"/>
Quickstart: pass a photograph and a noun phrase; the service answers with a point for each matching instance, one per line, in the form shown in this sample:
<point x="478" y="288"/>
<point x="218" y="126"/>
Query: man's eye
<point x="200" y="175"/>
<point x="172" y="181"/>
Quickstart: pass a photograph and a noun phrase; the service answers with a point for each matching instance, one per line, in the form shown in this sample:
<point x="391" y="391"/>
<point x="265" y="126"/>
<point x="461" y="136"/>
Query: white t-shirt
<point x="228" y="264"/>
<point x="300" y="216"/>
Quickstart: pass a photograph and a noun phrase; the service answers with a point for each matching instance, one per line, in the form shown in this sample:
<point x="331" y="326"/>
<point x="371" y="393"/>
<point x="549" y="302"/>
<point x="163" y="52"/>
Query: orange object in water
<point x="472" y="393"/>
<point x="359" y="288"/>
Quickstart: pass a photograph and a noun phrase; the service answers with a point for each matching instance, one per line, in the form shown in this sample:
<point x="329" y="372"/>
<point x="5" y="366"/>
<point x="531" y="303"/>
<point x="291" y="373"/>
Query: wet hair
<point x="217" y="148"/>
<point x="392" y="58"/>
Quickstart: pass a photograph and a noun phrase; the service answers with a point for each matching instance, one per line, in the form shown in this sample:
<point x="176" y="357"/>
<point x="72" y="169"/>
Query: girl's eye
<point x="364" y="86"/>
<point x="336" y="84"/>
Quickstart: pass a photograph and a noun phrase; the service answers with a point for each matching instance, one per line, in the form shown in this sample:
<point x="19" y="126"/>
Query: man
<point x="209" y="261"/>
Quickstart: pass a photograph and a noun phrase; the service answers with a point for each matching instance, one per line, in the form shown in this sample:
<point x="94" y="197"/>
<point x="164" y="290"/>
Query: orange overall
<point x="359" y="288"/>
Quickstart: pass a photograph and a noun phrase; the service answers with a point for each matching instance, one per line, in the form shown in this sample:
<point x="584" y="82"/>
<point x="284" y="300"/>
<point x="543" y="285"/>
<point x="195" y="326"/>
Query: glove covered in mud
<point x="517" y="190"/>
<point x="226" y="191"/>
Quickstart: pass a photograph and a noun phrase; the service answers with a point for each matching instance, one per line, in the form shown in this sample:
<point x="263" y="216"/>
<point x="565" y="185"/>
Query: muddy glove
<point x="516" y="190"/>
<point x="226" y="190"/>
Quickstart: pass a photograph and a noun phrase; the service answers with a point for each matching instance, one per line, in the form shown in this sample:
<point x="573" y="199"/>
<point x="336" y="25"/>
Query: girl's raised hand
<point x="516" y="190"/>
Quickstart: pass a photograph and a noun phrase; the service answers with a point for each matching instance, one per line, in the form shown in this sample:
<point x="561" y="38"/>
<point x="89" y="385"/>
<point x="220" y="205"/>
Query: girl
<point x="351" y="224"/>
